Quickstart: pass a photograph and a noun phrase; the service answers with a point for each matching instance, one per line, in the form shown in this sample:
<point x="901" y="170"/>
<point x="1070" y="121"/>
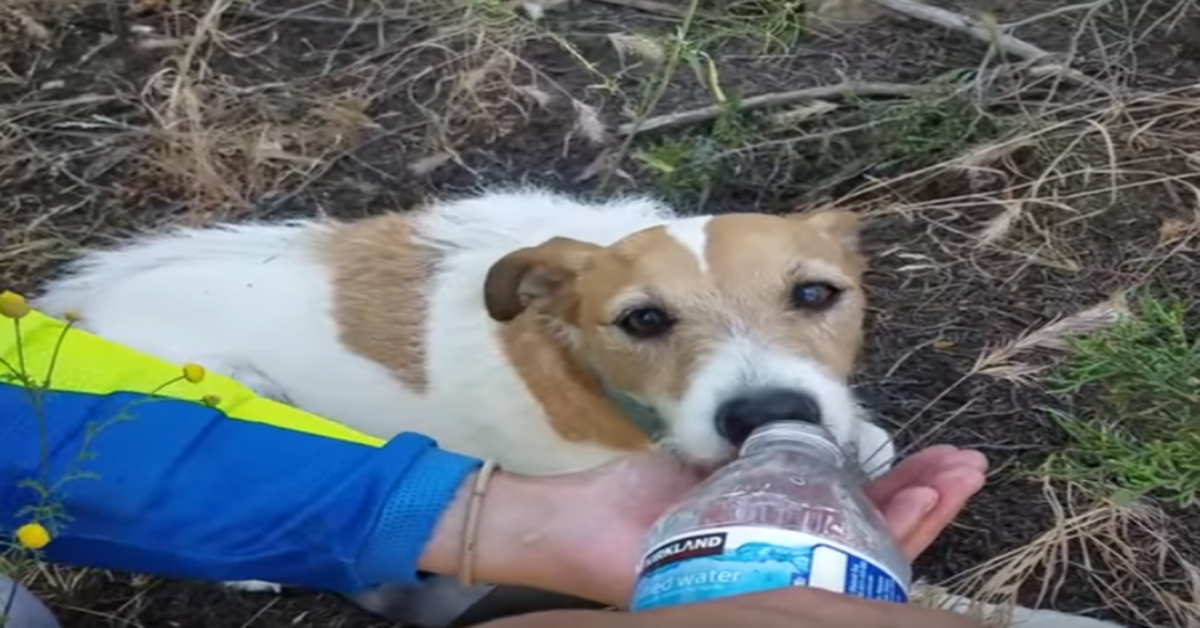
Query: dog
<point x="542" y="331"/>
<point x="550" y="315"/>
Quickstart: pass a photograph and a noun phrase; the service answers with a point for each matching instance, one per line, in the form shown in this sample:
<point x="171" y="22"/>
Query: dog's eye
<point x="814" y="295"/>
<point x="646" y="322"/>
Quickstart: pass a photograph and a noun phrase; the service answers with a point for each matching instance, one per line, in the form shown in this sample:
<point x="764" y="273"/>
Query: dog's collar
<point x="643" y="417"/>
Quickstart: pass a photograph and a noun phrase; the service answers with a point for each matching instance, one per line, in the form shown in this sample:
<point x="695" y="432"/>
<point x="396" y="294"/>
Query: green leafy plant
<point x="1132" y="414"/>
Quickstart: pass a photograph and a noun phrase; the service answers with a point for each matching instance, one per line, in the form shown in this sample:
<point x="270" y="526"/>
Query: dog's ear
<point x="538" y="276"/>
<point x="841" y="225"/>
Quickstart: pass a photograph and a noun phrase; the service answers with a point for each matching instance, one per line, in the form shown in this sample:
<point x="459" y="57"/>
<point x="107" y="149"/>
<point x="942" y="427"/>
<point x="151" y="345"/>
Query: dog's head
<point x="720" y="324"/>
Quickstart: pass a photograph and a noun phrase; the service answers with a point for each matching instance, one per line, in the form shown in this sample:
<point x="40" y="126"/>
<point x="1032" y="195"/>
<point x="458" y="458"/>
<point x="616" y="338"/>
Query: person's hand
<point x="923" y="494"/>
<point x="614" y="506"/>
<point x="782" y="608"/>
<point x="582" y="534"/>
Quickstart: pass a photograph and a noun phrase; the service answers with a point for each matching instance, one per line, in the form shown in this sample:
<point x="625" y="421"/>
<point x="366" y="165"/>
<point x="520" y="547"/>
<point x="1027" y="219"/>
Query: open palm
<point x="606" y="522"/>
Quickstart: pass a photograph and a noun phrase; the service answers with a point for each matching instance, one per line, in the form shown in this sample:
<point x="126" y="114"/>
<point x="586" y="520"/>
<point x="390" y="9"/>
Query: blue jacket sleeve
<point x="175" y="488"/>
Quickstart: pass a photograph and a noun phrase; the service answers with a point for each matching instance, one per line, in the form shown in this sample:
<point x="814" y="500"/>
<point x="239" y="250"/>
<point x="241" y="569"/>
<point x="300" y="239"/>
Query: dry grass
<point x="1119" y="546"/>
<point x="1009" y="360"/>
<point x="225" y="144"/>
<point x="1137" y="558"/>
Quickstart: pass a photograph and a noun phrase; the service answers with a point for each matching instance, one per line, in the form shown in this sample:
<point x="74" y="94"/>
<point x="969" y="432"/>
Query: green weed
<point x="775" y="25"/>
<point x="860" y="138"/>
<point x="1132" y="412"/>
<point x="685" y="168"/>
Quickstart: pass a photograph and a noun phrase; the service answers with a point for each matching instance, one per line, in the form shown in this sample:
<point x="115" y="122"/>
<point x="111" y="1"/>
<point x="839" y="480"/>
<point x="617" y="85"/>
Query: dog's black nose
<point x="738" y="417"/>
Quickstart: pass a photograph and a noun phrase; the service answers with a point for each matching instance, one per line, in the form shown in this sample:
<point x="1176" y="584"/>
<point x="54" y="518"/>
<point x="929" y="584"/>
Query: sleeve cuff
<point x="413" y="509"/>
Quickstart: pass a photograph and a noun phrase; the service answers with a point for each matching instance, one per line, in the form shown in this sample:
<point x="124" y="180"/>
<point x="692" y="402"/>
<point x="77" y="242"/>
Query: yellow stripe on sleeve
<point x="92" y="365"/>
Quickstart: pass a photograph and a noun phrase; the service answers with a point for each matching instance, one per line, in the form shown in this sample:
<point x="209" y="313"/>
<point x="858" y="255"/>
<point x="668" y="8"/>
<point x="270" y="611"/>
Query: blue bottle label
<point x="720" y="562"/>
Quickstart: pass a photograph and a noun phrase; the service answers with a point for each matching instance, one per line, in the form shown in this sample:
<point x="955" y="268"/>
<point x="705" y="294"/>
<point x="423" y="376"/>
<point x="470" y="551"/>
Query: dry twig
<point x="993" y="35"/>
<point x="963" y="24"/>
<point x="298" y="15"/>
<point x="1055" y="12"/>
<point x="647" y="6"/>
<point x="841" y="90"/>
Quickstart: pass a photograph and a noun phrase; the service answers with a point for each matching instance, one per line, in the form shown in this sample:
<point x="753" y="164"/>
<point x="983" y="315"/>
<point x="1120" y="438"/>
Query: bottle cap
<point x="796" y="432"/>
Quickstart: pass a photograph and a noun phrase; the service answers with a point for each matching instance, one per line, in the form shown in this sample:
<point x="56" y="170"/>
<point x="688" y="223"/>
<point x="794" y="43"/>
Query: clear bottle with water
<point x="786" y="513"/>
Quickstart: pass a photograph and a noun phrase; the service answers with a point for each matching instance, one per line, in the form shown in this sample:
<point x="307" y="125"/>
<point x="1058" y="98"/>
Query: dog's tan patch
<point x="380" y="282"/>
<point x="815" y="247"/>
<point x="650" y="266"/>
<point x="570" y="394"/>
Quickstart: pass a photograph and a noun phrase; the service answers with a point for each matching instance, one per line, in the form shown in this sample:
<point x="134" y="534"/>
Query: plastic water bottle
<point x="786" y="513"/>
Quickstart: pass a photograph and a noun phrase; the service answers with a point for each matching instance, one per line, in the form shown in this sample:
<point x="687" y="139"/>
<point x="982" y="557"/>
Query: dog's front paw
<point x="253" y="586"/>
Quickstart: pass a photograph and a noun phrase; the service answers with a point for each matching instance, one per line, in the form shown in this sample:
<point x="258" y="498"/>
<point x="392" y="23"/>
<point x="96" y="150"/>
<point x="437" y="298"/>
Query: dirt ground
<point x="119" y="116"/>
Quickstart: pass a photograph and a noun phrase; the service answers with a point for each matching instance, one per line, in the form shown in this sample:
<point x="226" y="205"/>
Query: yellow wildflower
<point x="71" y="316"/>
<point x="13" y="305"/>
<point x="33" y="536"/>
<point x="193" y="373"/>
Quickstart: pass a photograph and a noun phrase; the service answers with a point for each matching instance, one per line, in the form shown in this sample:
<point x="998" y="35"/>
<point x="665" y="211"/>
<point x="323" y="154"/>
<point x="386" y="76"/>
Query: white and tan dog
<point x="512" y="325"/>
<point x="524" y="326"/>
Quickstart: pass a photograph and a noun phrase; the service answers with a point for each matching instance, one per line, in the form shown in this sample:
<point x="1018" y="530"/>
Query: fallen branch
<point x="996" y="35"/>
<point x="647" y="6"/>
<point x="841" y="90"/>
<point x="1086" y="6"/>
<point x="40" y="106"/>
<point x="298" y="15"/>
<point x="956" y="22"/>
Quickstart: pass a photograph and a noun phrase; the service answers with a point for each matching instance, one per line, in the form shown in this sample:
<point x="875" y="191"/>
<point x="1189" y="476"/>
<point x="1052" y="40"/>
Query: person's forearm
<point x="508" y="549"/>
<point x="300" y="510"/>
<point x="177" y="489"/>
<point x="520" y="539"/>
<point x="166" y="486"/>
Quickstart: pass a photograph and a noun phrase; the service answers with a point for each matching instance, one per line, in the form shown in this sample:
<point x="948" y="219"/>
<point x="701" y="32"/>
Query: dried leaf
<point x="637" y="46"/>
<point x="588" y="123"/>
<point x="803" y="113"/>
<point x="31" y="27"/>
<point x="605" y="161"/>
<point x="851" y="11"/>
<point x="1175" y="229"/>
<point x="144" y="7"/>
<point x="536" y="9"/>
<point x="988" y="154"/>
<point x="344" y="115"/>
<point x="999" y="226"/>
<point x="429" y="163"/>
<point x="540" y="96"/>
